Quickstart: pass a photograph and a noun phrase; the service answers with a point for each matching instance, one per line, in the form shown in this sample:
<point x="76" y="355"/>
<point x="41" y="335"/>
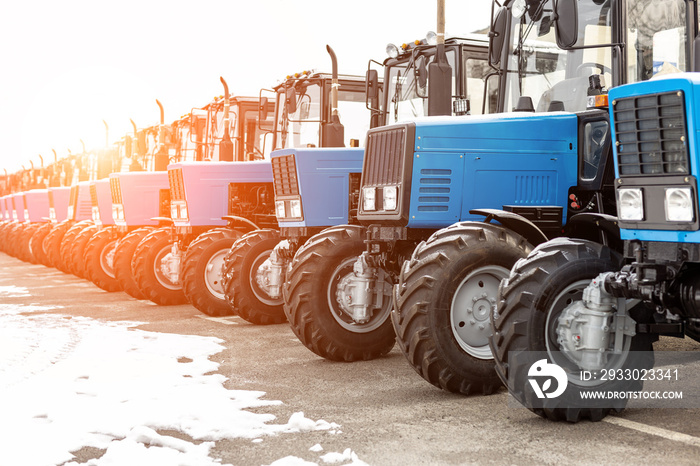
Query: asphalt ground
<point x="388" y="414"/>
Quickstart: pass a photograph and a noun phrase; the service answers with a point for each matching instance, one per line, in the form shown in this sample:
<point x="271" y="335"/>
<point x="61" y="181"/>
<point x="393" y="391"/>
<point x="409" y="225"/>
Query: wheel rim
<point x="572" y="293"/>
<point x="212" y="274"/>
<point x="344" y="269"/>
<point x="107" y="258"/>
<point x="472" y="304"/>
<point x="160" y="275"/>
<point x="259" y="291"/>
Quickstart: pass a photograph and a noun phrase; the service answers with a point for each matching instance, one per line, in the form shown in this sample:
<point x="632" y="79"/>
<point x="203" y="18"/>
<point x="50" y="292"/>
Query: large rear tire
<point x="444" y="299"/>
<point x="123" y="254"/>
<point x="311" y="301"/>
<point x="146" y="268"/>
<point x="245" y="296"/>
<point x="525" y="324"/>
<point x="202" y="271"/>
<point x="99" y="259"/>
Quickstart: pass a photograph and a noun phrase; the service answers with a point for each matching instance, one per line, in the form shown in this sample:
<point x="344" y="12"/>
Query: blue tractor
<point x="337" y="303"/>
<point x="318" y="159"/>
<point x="594" y="307"/>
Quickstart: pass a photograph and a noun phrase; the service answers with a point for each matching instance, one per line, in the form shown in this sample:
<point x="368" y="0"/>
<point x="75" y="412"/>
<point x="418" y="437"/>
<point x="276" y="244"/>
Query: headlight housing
<point x="279" y="209"/>
<point x="369" y="198"/>
<point x="295" y="208"/>
<point x="678" y="203"/>
<point x="173" y="211"/>
<point x="630" y="204"/>
<point x="390" y="197"/>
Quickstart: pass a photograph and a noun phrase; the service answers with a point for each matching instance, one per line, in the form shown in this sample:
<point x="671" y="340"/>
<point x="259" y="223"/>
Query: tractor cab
<point x="406" y="79"/>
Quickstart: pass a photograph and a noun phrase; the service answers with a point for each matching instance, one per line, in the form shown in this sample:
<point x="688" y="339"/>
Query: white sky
<point x="67" y="65"/>
<point x="112" y="386"/>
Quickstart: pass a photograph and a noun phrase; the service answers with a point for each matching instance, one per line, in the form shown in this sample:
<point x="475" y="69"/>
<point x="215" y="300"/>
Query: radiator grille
<point x="116" y="190"/>
<point x="73" y="201"/>
<point x="177" y="184"/>
<point x="284" y="172"/>
<point x="93" y="195"/>
<point x="384" y="157"/>
<point x="651" y="134"/>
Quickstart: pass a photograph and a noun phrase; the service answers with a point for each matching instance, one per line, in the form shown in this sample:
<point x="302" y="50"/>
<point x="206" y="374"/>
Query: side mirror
<point x="566" y="12"/>
<point x="371" y="85"/>
<point x="291" y="100"/>
<point x="262" y="110"/>
<point x="497" y="36"/>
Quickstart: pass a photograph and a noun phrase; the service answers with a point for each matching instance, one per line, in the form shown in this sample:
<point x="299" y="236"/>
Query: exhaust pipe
<point x="440" y="72"/>
<point x="106" y="133"/>
<point x="226" y="146"/>
<point x="333" y="131"/>
<point x="161" y="157"/>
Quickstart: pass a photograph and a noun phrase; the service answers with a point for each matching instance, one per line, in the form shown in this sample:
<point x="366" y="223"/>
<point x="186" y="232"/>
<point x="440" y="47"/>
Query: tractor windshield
<point x="537" y="68"/>
<point x="299" y="122"/>
<point x="407" y="83"/>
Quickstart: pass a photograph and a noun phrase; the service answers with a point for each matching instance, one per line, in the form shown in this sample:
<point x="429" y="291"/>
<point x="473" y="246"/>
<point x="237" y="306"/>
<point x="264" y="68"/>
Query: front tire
<point x="310" y="299"/>
<point x="246" y="297"/>
<point x="531" y="299"/>
<point x="146" y="269"/>
<point x="67" y="258"/>
<point x="99" y="259"/>
<point x="36" y="244"/>
<point x="123" y="254"/>
<point x="202" y="271"/>
<point x="52" y="244"/>
<point x="444" y="299"/>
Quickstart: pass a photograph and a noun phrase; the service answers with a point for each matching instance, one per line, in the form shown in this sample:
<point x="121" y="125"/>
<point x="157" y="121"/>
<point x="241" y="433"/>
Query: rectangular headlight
<point x="95" y="214"/>
<point x="679" y="205"/>
<point x="52" y="213"/>
<point x="390" y="197"/>
<point x="630" y="204"/>
<point x="295" y="208"/>
<point x="279" y="209"/>
<point x="26" y="214"/>
<point x="368" y="198"/>
<point x="183" y="211"/>
<point x="173" y="211"/>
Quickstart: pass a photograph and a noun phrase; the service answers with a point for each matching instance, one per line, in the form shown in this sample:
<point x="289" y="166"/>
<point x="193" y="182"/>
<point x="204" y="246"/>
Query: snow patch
<point x="13" y="291"/>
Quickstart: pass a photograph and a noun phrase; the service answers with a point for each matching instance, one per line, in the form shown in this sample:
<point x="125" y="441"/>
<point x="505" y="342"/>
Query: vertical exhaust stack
<point x="226" y="145"/>
<point x="161" y="157"/>
<point x="440" y="72"/>
<point x="106" y="133"/>
<point x="333" y="131"/>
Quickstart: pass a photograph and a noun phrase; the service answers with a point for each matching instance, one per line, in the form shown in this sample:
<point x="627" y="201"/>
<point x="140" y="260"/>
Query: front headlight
<point x="679" y="205"/>
<point x="183" y="211"/>
<point x="631" y="205"/>
<point x="390" y="197"/>
<point x="115" y="213"/>
<point x="295" y="208"/>
<point x="26" y="214"/>
<point x="279" y="209"/>
<point x="95" y="214"/>
<point x="368" y="198"/>
<point x="173" y="211"/>
<point x="52" y="213"/>
<point x="518" y="8"/>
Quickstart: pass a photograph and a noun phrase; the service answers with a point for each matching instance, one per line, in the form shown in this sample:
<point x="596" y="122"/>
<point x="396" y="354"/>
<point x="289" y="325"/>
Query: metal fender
<point x="514" y="222"/>
<point x="595" y="221"/>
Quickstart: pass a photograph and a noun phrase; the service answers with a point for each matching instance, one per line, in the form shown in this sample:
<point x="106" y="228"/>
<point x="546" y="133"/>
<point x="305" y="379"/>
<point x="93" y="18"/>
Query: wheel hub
<point x="472" y="304"/>
<point x="212" y="274"/>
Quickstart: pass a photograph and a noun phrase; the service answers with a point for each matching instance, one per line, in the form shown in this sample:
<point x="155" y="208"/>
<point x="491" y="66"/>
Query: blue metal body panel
<point x="490" y="161"/>
<point x="689" y="84"/>
<point x="323" y="176"/>
<point x="37" y="202"/>
<point x="140" y="196"/>
<point x="206" y="187"/>
<point x="104" y="201"/>
<point x="18" y="207"/>
<point x="61" y="197"/>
